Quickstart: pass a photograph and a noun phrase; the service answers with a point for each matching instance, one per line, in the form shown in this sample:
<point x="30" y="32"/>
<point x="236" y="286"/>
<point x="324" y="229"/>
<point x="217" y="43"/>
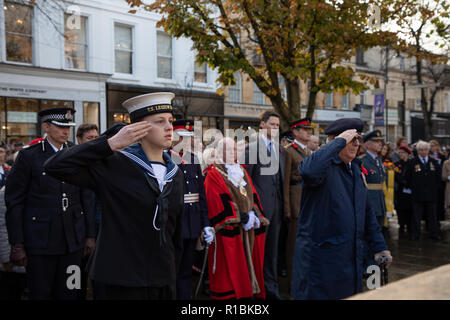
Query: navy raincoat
<point x="335" y="218"/>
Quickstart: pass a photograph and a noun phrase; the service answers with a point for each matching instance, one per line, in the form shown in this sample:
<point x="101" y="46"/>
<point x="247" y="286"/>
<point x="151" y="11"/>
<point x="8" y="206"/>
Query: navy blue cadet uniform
<point x="335" y="218"/>
<point x="195" y="216"/>
<point x="52" y="219"/>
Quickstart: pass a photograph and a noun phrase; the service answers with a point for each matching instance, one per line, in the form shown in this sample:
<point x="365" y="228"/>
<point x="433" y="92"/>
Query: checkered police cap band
<point x="60" y="117"/>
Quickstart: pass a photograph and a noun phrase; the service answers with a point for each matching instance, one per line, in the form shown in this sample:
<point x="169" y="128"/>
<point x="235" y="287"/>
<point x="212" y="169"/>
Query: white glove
<point x="209" y="234"/>
<point x="257" y="222"/>
<point x="251" y="221"/>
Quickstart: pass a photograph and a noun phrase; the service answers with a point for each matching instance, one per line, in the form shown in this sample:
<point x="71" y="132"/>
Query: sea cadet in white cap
<point x="141" y="192"/>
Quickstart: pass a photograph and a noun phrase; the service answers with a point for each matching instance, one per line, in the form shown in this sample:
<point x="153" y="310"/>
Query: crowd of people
<point x="138" y="206"/>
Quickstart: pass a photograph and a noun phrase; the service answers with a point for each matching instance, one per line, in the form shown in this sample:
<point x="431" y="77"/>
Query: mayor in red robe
<point x="236" y="257"/>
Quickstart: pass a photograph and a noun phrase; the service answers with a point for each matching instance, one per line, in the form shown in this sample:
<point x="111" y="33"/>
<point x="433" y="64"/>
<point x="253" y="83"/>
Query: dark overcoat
<point x="335" y="219"/>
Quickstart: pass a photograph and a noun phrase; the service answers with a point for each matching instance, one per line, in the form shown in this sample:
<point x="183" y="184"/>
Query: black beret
<point x="337" y="127"/>
<point x="373" y="135"/>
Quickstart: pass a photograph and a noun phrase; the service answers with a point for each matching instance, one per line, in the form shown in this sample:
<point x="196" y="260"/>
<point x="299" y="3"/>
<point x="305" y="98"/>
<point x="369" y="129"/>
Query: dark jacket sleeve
<point x="73" y="164"/>
<point x="314" y="168"/>
<point x="407" y="177"/>
<point x="373" y="231"/>
<point x="17" y="186"/>
<point x="88" y="202"/>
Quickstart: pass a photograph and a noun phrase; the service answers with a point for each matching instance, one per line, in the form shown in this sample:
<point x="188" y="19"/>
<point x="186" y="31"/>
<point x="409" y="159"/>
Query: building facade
<point x="243" y="101"/>
<point x="93" y="55"/>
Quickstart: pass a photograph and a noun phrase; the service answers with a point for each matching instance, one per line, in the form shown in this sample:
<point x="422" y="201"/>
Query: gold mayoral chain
<point x="241" y="188"/>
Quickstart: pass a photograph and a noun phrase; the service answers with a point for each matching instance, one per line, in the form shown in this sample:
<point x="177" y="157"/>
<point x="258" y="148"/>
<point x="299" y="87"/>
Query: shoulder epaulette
<point x="288" y="145"/>
<point x="362" y="156"/>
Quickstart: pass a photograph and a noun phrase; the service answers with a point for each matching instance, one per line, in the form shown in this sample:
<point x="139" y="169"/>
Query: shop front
<point x="202" y="106"/>
<point x="24" y="91"/>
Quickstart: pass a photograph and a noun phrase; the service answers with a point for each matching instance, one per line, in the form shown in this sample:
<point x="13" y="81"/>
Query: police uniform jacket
<point x="292" y="179"/>
<point x="423" y="179"/>
<point x="375" y="179"/>
<point x="130" y="250"/>
<point x="195" y="216"/>
<point x="335" y="219"/>
<point x="47" y="215"/>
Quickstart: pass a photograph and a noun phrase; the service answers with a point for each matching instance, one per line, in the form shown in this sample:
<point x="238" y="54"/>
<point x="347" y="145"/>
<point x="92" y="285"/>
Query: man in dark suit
<point x="50" y="223"/>
<point x="265" y="167"/>
<point x="423" y="175"/>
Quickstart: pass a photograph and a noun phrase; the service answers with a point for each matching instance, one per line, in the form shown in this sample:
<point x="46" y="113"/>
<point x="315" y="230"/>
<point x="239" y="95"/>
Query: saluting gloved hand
<point x="209" y="234"/>
<point x="251" y="221"/>
<point x="18" y="255"/>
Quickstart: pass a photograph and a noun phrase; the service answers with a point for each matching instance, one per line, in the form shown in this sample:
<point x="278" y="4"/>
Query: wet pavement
<point x="410" y="257"/>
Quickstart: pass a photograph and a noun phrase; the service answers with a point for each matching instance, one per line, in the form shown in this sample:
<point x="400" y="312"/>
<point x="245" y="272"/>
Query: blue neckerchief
<point x="135" y="153"/>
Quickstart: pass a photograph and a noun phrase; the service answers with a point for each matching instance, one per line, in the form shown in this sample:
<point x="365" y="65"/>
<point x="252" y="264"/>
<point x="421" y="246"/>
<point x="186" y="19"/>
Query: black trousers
<point x="184" y="277"/>
<point x="404" y="218"/>
<point x="271" y="251"/>
<point x="113" y="292"/>
<point x="427" y="210"/>
<point x="47" y="276"/>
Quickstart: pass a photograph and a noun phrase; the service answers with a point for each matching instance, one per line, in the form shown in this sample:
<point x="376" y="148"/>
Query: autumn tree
<point x="423" y="25"/>
<point x="277" y="43"/>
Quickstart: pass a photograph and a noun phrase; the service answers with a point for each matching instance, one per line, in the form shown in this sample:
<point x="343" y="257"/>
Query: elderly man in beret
<point x="335" y="219"/>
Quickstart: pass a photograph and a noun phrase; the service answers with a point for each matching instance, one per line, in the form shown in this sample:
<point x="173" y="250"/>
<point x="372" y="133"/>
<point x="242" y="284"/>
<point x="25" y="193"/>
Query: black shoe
<point x="414" y="238"/>
<point x="436" y="238"/>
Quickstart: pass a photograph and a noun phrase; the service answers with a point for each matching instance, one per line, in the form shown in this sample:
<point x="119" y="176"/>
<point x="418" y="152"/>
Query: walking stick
<point x="205" y="258"/>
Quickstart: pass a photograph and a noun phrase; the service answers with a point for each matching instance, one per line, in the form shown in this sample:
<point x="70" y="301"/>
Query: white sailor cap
<point x="147" y="104"/>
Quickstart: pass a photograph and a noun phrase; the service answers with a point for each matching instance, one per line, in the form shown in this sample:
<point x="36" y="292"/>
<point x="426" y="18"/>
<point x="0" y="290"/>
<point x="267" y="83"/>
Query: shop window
<point x="2" y="120"/>
<point x="118" y="116"/>
<point x="18" y="32"/>
<point x="75" y="44"/>
<point x="22" y="119"/>
<point x="91" y="113"/>
<point x="123" y="49"/>
<point x="164" y="50"/>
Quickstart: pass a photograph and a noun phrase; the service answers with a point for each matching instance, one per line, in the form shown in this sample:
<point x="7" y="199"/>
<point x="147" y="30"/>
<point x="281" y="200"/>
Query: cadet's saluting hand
<point x="129" y="135"/>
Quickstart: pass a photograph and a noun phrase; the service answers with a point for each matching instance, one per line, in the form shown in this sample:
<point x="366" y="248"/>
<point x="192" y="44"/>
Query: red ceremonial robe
<point x="229" y="272"/>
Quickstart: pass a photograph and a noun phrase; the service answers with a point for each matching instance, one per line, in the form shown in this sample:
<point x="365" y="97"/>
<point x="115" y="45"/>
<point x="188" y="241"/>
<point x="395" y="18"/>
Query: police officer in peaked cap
<point x="50" y="223"/>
